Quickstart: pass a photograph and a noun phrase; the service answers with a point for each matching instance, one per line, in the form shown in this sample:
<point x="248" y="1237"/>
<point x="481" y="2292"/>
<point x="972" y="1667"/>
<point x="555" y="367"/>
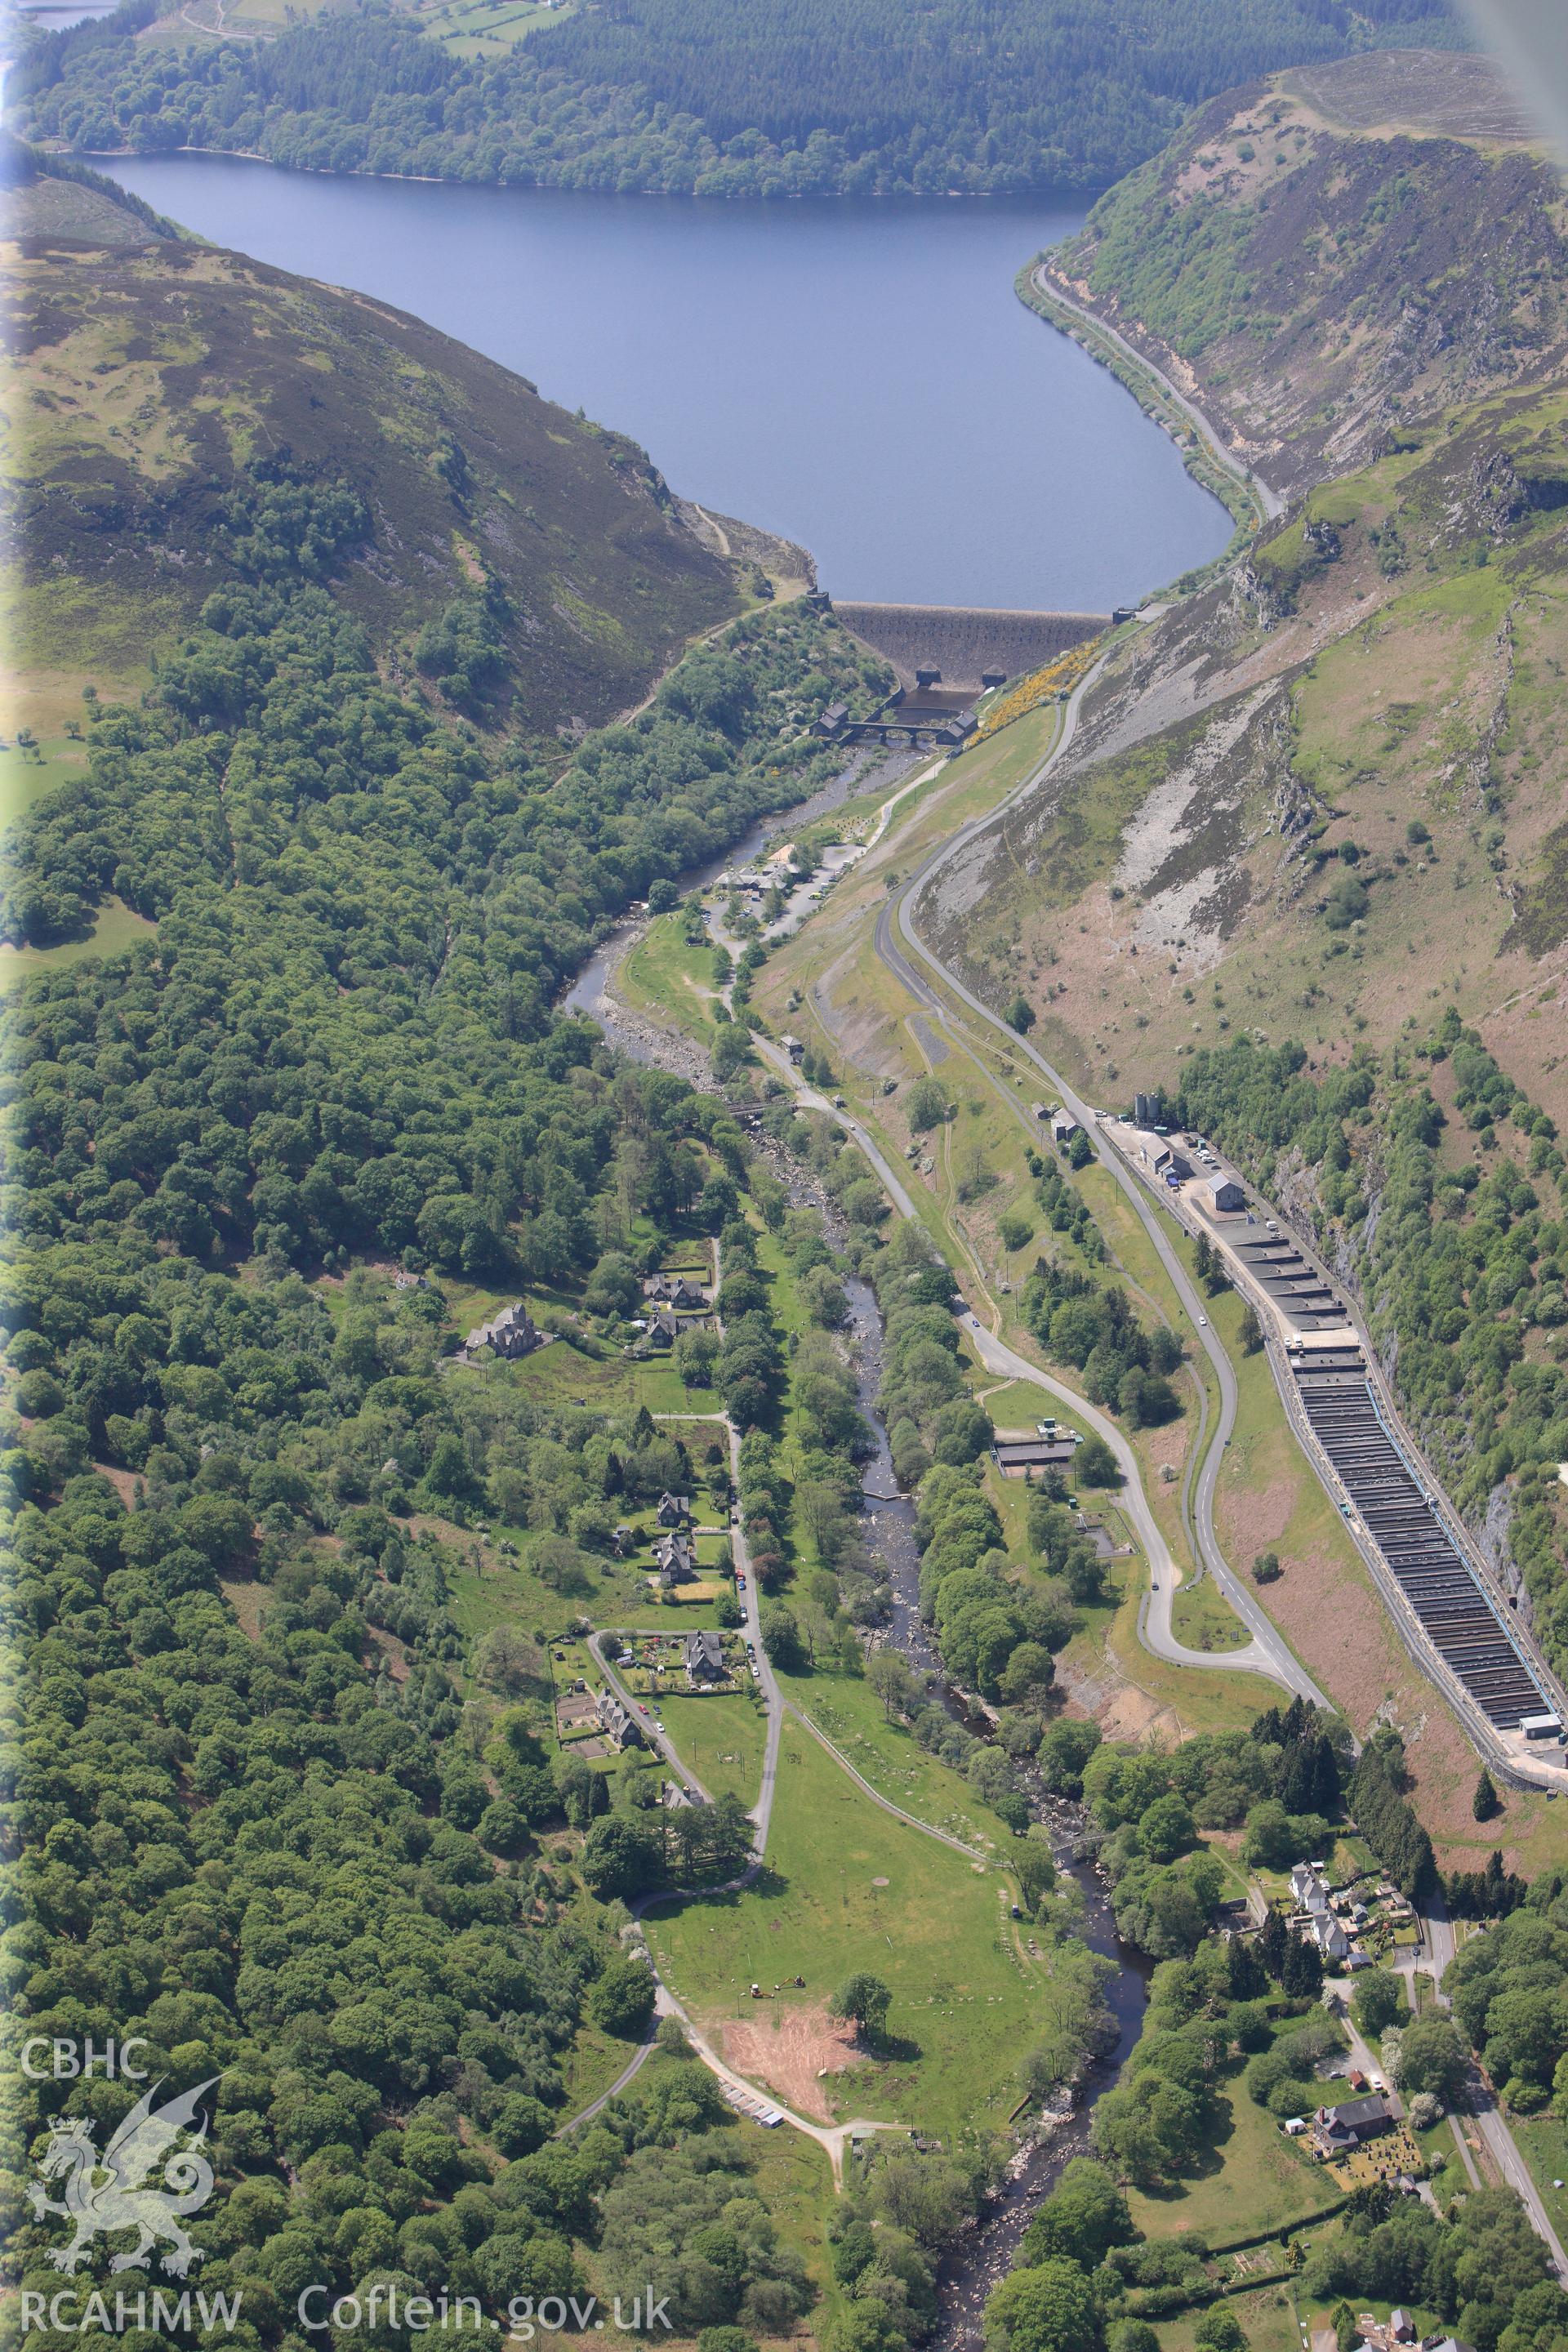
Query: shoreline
<point x="1064" y="193"/>
<point x="1252" y="503"/>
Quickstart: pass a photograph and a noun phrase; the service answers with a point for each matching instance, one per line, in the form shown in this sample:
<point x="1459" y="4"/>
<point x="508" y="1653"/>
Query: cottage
<point x="1401" y="2326"/>
<point x="1310" y="1885"/>
<point x="511" y="1333"/>
<point x="705" y="1658"/>
<point x="675" y="1557"/>
<point x="673" y="1510"/>
<point x="616" y="1721"/>
<point x="663" y="1331"/>
<point x="793" y="1046"/>
<point x="1328" y="1936"/>
<point x="1226" y="1195"/>
<point x="1064" y="1126"/>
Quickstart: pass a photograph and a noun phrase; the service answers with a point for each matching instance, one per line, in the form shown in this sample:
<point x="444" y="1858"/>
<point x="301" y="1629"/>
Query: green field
<point x="1202" y="1619"/>
<point x="960" y="2019"/>
<point x="890" y="1757"/>
<point x="1251" y="2178"/>
<point x="1019" y="1404"/>
<point x="1542" y="2141"/>
<point x="503" y="1590"/>
<point x="719" y="1740"/>
<point x="1267" y="2318"/>
<point x="486" y="28"/>
<point x="663" y="976"/>
<point x="116" y="929"/>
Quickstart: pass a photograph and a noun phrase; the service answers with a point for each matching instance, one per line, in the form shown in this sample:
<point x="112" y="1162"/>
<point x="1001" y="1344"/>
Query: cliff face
<point x="1329" y="256"/>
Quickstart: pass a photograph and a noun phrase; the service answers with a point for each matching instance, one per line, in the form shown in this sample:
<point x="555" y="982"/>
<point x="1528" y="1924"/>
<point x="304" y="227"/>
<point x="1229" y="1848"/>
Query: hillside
<point x="1323" y="786"/>
<point x="522" y="567"/>
<point x="1319" y="793"/>
<point x="281" y="1577"/>
<point x="51" y="195"/>
<point x="783" y="98"/>
<point x="1327" y="256"/>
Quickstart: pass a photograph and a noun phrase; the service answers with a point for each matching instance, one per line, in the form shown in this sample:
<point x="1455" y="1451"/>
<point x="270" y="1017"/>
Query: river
<point x="980" y="2260"/>
<point x="984" y="2256"/>
<point x="855" y="374"/>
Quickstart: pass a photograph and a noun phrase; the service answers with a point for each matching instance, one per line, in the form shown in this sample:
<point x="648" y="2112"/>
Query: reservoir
<point x="854" y="373"/>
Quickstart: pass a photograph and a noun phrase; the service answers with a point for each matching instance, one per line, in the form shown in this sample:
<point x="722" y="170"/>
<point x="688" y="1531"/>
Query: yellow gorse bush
<point x="1038" y="687"/>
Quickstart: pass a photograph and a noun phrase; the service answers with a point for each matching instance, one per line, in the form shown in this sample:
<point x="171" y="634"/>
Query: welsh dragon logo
<point x="115" y="2191"/>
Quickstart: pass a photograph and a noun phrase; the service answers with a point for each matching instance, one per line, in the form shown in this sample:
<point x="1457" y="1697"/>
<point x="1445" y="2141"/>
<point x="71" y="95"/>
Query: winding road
<point x="1154" y="1625"/>
<point x="1265" y="1653"/>
<point x="1224" y="456"/>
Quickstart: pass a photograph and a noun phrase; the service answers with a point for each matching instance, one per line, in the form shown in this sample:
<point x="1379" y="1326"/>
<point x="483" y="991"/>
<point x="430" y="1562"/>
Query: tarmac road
<point x="1266" y="1651"/>
<point x="1154" y="1627"/>
<point x="1272" y="504"/>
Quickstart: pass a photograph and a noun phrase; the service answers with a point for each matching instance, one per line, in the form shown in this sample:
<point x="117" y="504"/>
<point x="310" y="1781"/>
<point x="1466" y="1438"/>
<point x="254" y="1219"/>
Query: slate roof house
<point x="675" y="1290"/>
<point x="1328" y="1936"/>
<point x="1310" y="1885"/>
<point x="675" y="1557"/>
<point x="1336" y="2130"/>
<point x="511" y="1333"/>
<point x="705" y="1658"/>
<point x="617" y="1721"/>
<point x="673" y="1510"/>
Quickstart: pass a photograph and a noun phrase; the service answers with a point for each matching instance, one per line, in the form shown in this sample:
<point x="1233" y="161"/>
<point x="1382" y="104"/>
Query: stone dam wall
<point x="964" y="642"/>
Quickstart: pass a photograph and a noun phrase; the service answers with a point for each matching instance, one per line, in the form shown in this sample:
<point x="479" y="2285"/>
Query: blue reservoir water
<point x="855" y="374"/>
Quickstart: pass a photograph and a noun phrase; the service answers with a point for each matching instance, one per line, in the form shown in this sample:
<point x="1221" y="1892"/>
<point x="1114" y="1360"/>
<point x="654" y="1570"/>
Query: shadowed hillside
<point x="527" y="568"/>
